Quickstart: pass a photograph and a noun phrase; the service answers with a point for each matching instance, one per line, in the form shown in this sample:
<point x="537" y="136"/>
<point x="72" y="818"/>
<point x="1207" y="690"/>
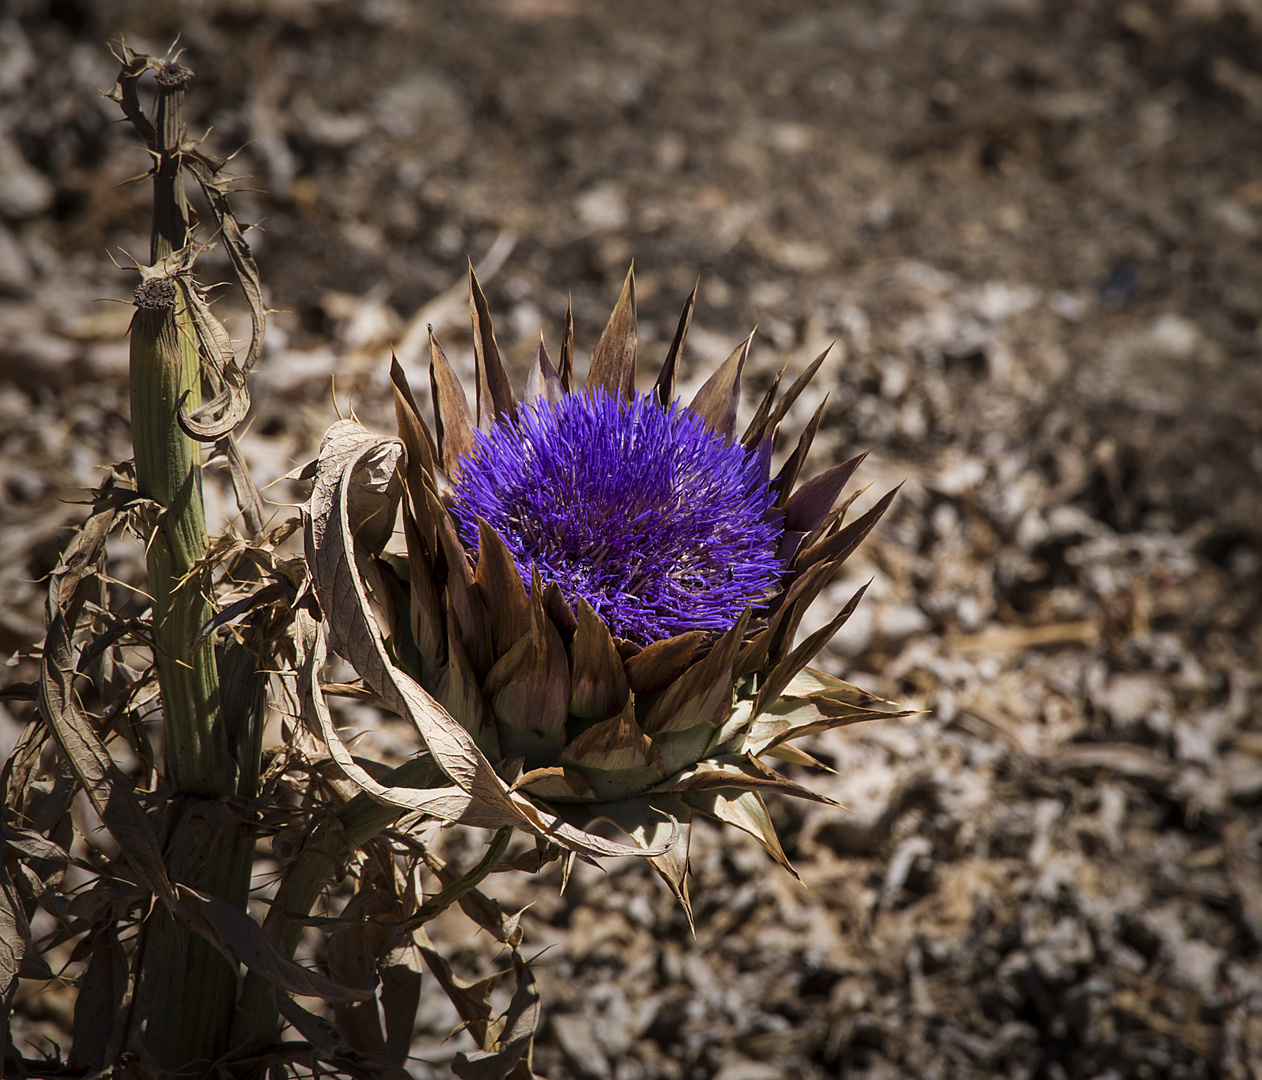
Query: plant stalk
<point x="190" y="987"/>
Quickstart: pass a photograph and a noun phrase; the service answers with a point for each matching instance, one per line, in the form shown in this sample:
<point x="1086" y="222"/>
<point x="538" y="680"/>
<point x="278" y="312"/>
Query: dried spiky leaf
<point x="616" y="756"/>
<point x="565" y="366"/>
<point x="598" y="682"/>
<point x="658" y="665"/>
<point x="810" y="504"/>
<point x="529" y="687"/>
<point x="717" y="401"/>
<point x="747" y="812"/>
<point x="664" y="388"/>
<point x="759" y="427"/>
<point x="425" y="612"/>
<point x="699" y="692"/>
<point x="421" y="450"/>
<point x="644" y="821"/>
<point x="780" y="675"/>
<point x="840" y="545"/>
<point x="542" y="381"/>
<point x="613" y="362"/>
<point x="458" y="690"/>
<point x="788" y="474"/>
<point x="451" y="409"/>
<point x="795" y="391"/>
<point x="503" y="595"/>
<point x="495" y="392"/>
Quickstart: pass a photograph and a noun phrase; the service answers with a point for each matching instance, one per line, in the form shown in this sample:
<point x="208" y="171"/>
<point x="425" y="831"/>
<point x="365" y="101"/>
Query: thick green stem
<point x="190" y="987"/>
<point x="168" y="472"/>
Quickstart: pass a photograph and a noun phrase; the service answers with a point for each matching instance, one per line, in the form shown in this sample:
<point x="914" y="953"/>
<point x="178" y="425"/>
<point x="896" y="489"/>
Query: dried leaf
<point x="598" y="683"/>
<point x="795" y="391"/>
<point x="810" y="504"/>
<point x="499" y="583"/>
<point x="471" y="999"/>
<point x="702" y="691"/>
<point x="743" y="772"/>
<point x="97" y="1033"/>
<point x="495" y="392"/>
<point x="529" y="687"/>
<point x="108" y="787"/>
<point x="659" y="664"/>
<point x="613" y="362"/>
<point x="237" y="935"/>
<point x="565" y="366"/>
<point x="778" y="678"/>
<point x="232" y="235"/>
<point x="840" y="546"/>
<point x="351" y="952"/>
<point x="451" y="410"/>
<point x="643" y="819"/>
<point x="399" y="969"/>
<point x="757" y="431"/>
<point x="515" y="1041"/>
<point x="616" y="757"/>
<point x="717" y="401"/>
<point x="15" y="938"/>
<point x="747" y="812"/>
<point x="788" y="474"/>
<point x="231" y="403"/>
<point x="542" y="381"/>
<point x="664" y="388"/>
<point x="417" y="441"/>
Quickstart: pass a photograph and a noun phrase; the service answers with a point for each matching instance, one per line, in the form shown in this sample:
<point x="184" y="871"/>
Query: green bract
<point x="539" y="715"/>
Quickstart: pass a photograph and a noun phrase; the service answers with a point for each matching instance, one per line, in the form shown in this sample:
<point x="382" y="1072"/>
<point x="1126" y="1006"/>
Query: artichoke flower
<point x="602" y="590"/>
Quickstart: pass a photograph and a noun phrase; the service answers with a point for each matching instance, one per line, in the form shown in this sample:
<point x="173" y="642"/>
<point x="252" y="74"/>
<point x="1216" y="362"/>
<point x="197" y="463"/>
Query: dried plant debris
<point x="1032" y="231"/>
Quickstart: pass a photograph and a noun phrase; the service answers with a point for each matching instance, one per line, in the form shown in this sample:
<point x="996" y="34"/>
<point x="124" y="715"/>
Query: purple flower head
<point x="660" y="524"/>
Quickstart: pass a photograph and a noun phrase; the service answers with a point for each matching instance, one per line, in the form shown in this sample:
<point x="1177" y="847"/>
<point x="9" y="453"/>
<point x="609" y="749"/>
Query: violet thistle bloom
<point x="657" y="522"/>
<point x="604" y="588"/>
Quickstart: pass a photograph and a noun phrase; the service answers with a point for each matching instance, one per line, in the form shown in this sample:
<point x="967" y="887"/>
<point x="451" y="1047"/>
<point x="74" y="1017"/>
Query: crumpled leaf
<point x="515" y="1040"/>
<point x="15" y="939"/>
<point x="97" y="1033"/>
<point x="237" y="935"/>
<point x="215" y="418"/>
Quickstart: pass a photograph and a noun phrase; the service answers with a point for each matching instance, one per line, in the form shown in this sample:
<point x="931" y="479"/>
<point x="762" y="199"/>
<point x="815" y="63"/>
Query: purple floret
<point x="653" y="519"/>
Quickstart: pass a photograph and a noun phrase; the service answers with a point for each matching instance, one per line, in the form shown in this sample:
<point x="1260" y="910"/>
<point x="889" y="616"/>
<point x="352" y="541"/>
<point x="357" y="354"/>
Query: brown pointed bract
<point x="664" y="388"/>
<point x="495" y="392"/>
<point x="451" y="410"/>
<point x="613" y="362"/>
<point x="717" y="400"/>
<point x="542" y="381"/>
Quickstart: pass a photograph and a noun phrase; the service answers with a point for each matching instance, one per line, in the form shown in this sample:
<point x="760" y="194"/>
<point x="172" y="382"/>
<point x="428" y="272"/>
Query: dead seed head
<point x="171" y="74"/>
<point x="155" y="294"/>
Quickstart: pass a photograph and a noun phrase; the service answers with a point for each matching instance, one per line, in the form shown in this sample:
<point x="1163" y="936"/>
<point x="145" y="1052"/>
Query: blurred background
<point x="1031" y="231"/>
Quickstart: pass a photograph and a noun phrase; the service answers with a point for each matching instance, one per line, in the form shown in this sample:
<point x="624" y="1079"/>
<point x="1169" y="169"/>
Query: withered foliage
<point x="104" y="854"/>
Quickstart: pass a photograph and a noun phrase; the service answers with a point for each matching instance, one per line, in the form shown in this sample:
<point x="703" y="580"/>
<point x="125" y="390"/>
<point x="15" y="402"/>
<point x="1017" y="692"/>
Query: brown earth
<point x="1034" y="230"/>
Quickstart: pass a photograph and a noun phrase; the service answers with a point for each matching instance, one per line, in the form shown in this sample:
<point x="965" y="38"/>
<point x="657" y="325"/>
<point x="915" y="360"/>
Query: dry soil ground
<point x="1034" y="230"/>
